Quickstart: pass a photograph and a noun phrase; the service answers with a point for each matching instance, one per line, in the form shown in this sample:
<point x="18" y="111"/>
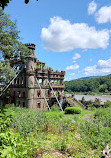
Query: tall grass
<point x="72" y="135"/>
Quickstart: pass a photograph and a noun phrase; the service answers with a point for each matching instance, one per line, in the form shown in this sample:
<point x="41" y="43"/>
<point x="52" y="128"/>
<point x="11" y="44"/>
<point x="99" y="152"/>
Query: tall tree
<point x="10" y="46"/>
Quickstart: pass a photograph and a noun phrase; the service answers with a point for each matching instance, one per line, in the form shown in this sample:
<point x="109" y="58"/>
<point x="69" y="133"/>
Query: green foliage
<point x="99" y="84"/>
<point x="73" y="110"/>
<point x="104" y="115"/>
<point x="6" y="71"/>
<point x="4" y="119"/>
<point x="96" y="103"/>
<point x="107" y="104"/>
<point x="10" y="47"/>
<point x="9" y="41"/>
<point x="91" y="104"/>
<point x="94" y="134"/>
<point x="31" y="133"/>
<point x="83" y="100"/>
<point x="37" y="66"/>
<point x="54" y="108"/>
<point x="103" y="88"/>
<point x="27" y="121"/>
<point x="10" y="141"/>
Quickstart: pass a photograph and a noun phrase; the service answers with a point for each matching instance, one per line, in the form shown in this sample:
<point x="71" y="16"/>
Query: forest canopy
<point x="99" y="84"/>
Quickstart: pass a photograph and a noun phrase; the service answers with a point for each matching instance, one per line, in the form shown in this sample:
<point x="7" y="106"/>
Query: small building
<point x="36" y="87"/>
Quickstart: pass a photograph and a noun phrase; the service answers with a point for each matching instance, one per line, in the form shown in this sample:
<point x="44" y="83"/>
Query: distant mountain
<point x="89" y="77"/>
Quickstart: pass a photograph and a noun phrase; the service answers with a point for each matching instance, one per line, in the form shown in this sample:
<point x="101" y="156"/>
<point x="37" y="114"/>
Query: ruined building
<point x="36" y="86"/>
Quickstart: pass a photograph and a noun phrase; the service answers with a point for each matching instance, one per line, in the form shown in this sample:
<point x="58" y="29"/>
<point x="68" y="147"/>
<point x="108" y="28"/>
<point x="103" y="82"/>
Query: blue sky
<point x="74" y="35"/>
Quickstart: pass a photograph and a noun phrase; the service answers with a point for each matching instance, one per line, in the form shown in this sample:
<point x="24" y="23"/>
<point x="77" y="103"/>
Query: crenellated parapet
<point x="30" y="45"/>
<point x="50" y="74"/>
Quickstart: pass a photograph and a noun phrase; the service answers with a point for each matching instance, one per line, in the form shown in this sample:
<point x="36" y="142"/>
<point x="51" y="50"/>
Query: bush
<point x="54" y="108"/>
<point x="107" y="104"/>
<point x="73" y="110"/>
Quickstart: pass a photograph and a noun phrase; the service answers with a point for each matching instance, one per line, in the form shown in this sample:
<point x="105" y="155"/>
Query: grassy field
<point x="27" y="133"/>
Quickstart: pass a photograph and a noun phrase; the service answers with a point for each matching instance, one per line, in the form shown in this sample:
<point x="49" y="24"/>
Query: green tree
<point x="10" y="46"/>
<point x="97" y="103"/>
<point x="83" y="100"/>
<point x="107" y="104"/>
<point x="103" y="88"/>
<point x="109" y="85"/>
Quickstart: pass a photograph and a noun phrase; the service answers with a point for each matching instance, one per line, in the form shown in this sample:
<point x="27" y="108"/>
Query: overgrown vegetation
<point x="94" y="104"/>
<point x="27" y="133"/>
<point x="96" y="85"/>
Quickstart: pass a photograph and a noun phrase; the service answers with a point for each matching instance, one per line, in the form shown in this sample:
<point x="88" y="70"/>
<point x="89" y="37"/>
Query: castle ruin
<point x="37" y="87"/>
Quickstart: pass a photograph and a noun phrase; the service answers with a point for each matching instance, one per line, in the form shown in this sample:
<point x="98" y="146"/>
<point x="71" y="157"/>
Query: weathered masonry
<point x="36" y="86"/>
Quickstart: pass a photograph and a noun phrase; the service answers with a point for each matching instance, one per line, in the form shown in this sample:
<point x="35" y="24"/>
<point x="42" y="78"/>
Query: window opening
<point x="38" y="104"/>
<point x="23" y="104"/>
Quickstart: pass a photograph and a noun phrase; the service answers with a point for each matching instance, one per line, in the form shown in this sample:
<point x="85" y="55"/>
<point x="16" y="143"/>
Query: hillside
<point x="98" y="84"/>
<point x="89" y="77"/>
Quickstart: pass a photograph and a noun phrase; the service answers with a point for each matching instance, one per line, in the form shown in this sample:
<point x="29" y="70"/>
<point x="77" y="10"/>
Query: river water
<point x="102" y="98"/>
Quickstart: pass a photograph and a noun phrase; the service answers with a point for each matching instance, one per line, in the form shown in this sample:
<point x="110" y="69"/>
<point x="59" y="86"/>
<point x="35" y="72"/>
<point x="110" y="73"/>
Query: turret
<point x="30" y="67"/>
<point x="31" y="46"/>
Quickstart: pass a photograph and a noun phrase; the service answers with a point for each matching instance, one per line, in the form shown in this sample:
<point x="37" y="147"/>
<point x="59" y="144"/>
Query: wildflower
<point x="73" y="128"/>
<point x="14" y="129"/>
<point x="77" y="135"/>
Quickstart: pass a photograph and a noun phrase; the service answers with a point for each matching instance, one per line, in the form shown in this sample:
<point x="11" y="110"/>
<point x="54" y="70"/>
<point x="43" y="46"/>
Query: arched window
<point x="38" y="104"/>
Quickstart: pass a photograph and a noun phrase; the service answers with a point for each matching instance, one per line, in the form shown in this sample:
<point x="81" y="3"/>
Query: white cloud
<point x="92" y="8"/>
<point x="75" y="57"/>
<point x="103" y="15"/>
<point x="62" y="36"/>
<point x="103" y="66"/>
<point x="72" y="67"/>
<point x="72" y="74"/>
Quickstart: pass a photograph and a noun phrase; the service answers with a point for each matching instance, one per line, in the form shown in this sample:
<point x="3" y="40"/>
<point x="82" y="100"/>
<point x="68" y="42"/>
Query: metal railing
<point x="55" y="95"/>
<point x="12" y="79"/>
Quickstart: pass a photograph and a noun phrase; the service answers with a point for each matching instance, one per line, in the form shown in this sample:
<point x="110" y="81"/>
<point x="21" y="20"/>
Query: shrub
<point x="54" y="108"/>
<point x="107" y="104"/>
<point x="73" y="110"/>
